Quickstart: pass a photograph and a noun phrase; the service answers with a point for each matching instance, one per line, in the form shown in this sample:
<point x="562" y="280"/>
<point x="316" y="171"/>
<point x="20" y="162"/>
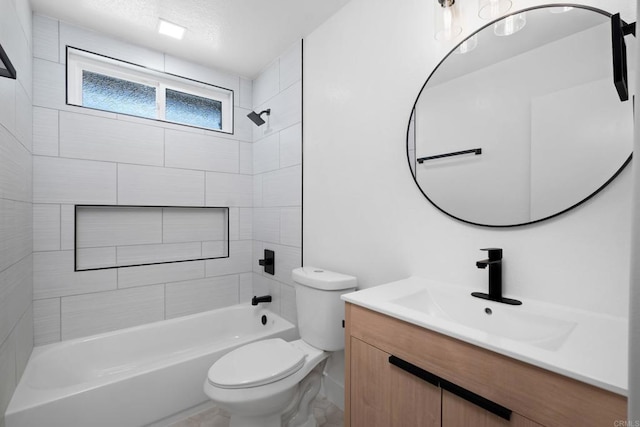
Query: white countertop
<point x="594" y="351"/>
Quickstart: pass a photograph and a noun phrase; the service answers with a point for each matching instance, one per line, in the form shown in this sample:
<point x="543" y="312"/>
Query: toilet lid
<point x="256" y="364"/>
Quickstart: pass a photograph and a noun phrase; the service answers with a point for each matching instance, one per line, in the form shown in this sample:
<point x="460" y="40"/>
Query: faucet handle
<point x="495" y="254"/>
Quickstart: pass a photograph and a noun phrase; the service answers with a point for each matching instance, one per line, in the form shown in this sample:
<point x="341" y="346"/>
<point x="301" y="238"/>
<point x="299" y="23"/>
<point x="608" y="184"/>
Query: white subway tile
<point x="246" y="224"/>
<point x="161" y="273"/>
<point x="45" y="131"/>
<point x="67" y="224"/>
<point x="239" y="260"/>
<point x="202" y="152"/>
<point x="246" y="158"/>
<point x="25" y="17"/>
<point x="147" y="185"/>
<point x="193" y="225"/>
<point x="83" y="315"/>
<point x="267" y="85"/>
<point x="246" y="287"/>
<point x="97" y="138"/>
<point x="45" y="38"/>
<point x="243" y="127"/>
<point x="8" y="379"/>
<point x="24" y="118"/>
<point x="57" y="180"/>
<point x="266" y="224"/>
<point x="15" y="294"/>
<point x="291" y="146"/>
<point x="288" y="303"/>
<point x="118" y="226"/>
<point x="46" y="321"/>
<point x="246" y="93"/>
<point x="201" y="73"/>
<point x="16" y="232"/>
<point x="229" y="189"/>
<point x="291" y="66"/>
<point x="165" y="252"/>
<point x="214" y="249"/>
<point x="234" y="224"/>
<point x="286" y="110"/>
<point x="95" y="42"/>
<point x="283" y="187"/>
<point x="53" y="276"/>
<point x="88" y="258"/>
<point x="257" y="253"/>
<point x="8" y="109"/>
<point x="266" y="154"/>
<point x="195" y="296"/>
<point x="287" y="258"/>
<point x="291" y="227"/>
<point x="257" y="191"/>
<point x="15" y="168"/>
<point x="46" y="227"/>
<point x="24" y="338"/>
<point x="48" y="84"/>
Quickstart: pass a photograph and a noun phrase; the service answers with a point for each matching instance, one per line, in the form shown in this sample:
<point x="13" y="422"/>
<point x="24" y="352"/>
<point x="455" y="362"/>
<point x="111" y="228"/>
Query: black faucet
<point x="257" y="300"/>
<point x="495" y="278"/>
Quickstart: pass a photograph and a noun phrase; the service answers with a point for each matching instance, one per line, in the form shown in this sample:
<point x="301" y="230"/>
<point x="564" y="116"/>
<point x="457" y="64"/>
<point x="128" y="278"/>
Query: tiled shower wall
<point x="16" y="283"/>
<point x="83" y="156"/>
<point x="277" y="179"/>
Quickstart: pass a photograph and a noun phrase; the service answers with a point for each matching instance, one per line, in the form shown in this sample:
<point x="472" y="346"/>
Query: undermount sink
<point x="455" y="304"/>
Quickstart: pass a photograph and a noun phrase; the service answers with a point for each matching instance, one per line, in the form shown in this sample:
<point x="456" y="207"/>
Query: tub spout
<point x="257" y="300"/>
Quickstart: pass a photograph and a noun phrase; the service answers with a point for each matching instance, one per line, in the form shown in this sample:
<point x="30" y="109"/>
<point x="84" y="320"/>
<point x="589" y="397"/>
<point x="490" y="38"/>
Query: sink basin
<point x="455" y="304"/>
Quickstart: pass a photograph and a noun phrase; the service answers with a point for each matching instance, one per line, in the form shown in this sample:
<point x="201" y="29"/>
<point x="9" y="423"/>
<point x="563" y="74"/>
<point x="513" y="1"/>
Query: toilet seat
<point x="255" y="364"/>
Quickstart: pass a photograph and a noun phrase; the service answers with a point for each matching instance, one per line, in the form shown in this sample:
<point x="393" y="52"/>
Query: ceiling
<point x="241" y="36"/>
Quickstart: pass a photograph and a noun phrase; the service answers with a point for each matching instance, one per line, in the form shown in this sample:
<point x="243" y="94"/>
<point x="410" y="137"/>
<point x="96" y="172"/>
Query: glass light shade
<point x="492" y="9"/>
<point x="510" y="25"/>
<point x="468" y="45"/>
<point x="447" y="18"/>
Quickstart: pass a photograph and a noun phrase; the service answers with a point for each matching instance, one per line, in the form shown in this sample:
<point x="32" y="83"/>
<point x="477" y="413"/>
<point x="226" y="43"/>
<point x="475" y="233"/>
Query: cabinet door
<point x="384" y="395"/>
<point x="457" y="412"/>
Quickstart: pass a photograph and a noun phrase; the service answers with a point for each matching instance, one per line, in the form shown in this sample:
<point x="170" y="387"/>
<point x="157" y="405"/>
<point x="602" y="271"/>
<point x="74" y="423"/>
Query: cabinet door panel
<point x="370" y="391"/>
<point x="414" y="402"/>
<point x="457" y="412"/>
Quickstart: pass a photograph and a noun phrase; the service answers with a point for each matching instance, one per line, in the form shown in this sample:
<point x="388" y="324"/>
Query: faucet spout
<point x="257" y="300"/>
<point x="494" y="262"/>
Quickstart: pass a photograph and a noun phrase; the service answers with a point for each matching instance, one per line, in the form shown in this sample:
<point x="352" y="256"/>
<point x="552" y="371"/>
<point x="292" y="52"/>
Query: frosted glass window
<point x="119" y="96"/>
<point x="193" y="110"/>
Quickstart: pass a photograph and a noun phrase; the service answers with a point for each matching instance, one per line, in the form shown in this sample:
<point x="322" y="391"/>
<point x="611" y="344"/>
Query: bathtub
<point x="134" y="376"/>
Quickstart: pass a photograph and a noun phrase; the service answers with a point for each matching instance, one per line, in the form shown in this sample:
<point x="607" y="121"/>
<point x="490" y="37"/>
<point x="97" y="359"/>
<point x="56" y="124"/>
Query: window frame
<point x="79" y="60"/>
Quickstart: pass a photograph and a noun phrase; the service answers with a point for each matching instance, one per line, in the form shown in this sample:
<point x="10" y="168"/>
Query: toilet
<point x="271" y="383"/>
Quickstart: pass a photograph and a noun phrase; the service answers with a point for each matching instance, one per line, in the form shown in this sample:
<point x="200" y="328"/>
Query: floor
<point x="326" y="413"/>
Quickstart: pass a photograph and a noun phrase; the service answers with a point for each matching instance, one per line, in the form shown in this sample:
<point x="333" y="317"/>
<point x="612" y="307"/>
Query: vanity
<point x="422" y="353"/>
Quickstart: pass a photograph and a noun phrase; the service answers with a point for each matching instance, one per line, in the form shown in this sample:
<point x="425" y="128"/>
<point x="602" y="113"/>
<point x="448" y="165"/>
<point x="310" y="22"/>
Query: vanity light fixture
<point x="446" y="20"/>
<point x="492" y="9"/>
<point x="170" y="29"/>
<point x="510" y="25"/>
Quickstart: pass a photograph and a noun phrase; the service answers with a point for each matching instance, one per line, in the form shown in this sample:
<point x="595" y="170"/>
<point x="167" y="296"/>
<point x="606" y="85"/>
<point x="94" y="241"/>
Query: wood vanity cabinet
<point x="422" y="384"/>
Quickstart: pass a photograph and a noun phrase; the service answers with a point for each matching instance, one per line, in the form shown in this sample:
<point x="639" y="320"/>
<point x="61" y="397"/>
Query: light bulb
<point x="510" y="25"/>
<point x="446" y="26"/>
<point x="468" y="45"/>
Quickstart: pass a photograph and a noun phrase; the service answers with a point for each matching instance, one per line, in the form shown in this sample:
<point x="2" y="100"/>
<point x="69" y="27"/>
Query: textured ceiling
<point x="241" y="36"/>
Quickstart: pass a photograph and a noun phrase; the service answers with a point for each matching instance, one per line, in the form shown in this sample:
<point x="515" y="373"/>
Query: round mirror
<point x="517" y="128"/>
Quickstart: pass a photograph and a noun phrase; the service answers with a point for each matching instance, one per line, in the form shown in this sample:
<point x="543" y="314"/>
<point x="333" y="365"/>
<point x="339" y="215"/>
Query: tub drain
<point x="264" y="319"/>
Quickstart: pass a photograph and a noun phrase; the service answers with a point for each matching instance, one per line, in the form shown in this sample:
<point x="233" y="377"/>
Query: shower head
<point x="255" y="117"/>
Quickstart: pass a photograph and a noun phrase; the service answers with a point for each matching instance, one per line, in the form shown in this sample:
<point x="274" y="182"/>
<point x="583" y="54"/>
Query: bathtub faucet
<point x="257" y="300"/>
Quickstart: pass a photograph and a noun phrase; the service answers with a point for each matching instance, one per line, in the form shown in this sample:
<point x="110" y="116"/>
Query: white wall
<point x="16" y="279"/>
<point x="363" y="213"/>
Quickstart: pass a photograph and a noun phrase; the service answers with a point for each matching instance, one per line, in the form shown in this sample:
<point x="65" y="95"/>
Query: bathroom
<point x="353" y="208"/>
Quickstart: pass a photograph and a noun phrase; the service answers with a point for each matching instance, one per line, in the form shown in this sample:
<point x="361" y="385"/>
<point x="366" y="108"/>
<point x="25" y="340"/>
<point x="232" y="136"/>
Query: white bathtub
<point x="134" y="376"/>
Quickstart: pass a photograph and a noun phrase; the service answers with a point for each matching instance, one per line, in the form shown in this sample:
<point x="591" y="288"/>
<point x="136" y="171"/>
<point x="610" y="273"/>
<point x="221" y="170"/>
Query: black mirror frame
<point x="8" y="71"/>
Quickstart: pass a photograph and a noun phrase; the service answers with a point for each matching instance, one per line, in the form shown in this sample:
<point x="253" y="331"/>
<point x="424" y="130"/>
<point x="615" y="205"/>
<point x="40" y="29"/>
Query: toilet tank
<point x="320" y="309"/>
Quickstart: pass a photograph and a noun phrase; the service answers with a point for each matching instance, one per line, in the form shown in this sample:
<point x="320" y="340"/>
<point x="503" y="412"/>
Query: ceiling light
<point x="170" y="29"/>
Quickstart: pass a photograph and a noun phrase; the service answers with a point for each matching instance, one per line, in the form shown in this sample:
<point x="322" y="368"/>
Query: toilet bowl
<point x="271" y="383"/>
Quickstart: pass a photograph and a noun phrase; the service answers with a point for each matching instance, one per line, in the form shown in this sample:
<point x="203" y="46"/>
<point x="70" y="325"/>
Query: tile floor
<point x="326" y="413"/>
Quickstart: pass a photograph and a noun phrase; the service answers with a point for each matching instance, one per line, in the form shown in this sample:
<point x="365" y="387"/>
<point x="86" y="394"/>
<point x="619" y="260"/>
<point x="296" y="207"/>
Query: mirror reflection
<point x="538" y="110"/>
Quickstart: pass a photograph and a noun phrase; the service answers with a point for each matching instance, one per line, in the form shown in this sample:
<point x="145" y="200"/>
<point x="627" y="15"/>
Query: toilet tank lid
<point x="325" y="280"/>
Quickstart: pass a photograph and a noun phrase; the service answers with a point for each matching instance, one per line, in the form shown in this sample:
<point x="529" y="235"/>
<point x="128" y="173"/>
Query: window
<point x="101" y="83"/>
